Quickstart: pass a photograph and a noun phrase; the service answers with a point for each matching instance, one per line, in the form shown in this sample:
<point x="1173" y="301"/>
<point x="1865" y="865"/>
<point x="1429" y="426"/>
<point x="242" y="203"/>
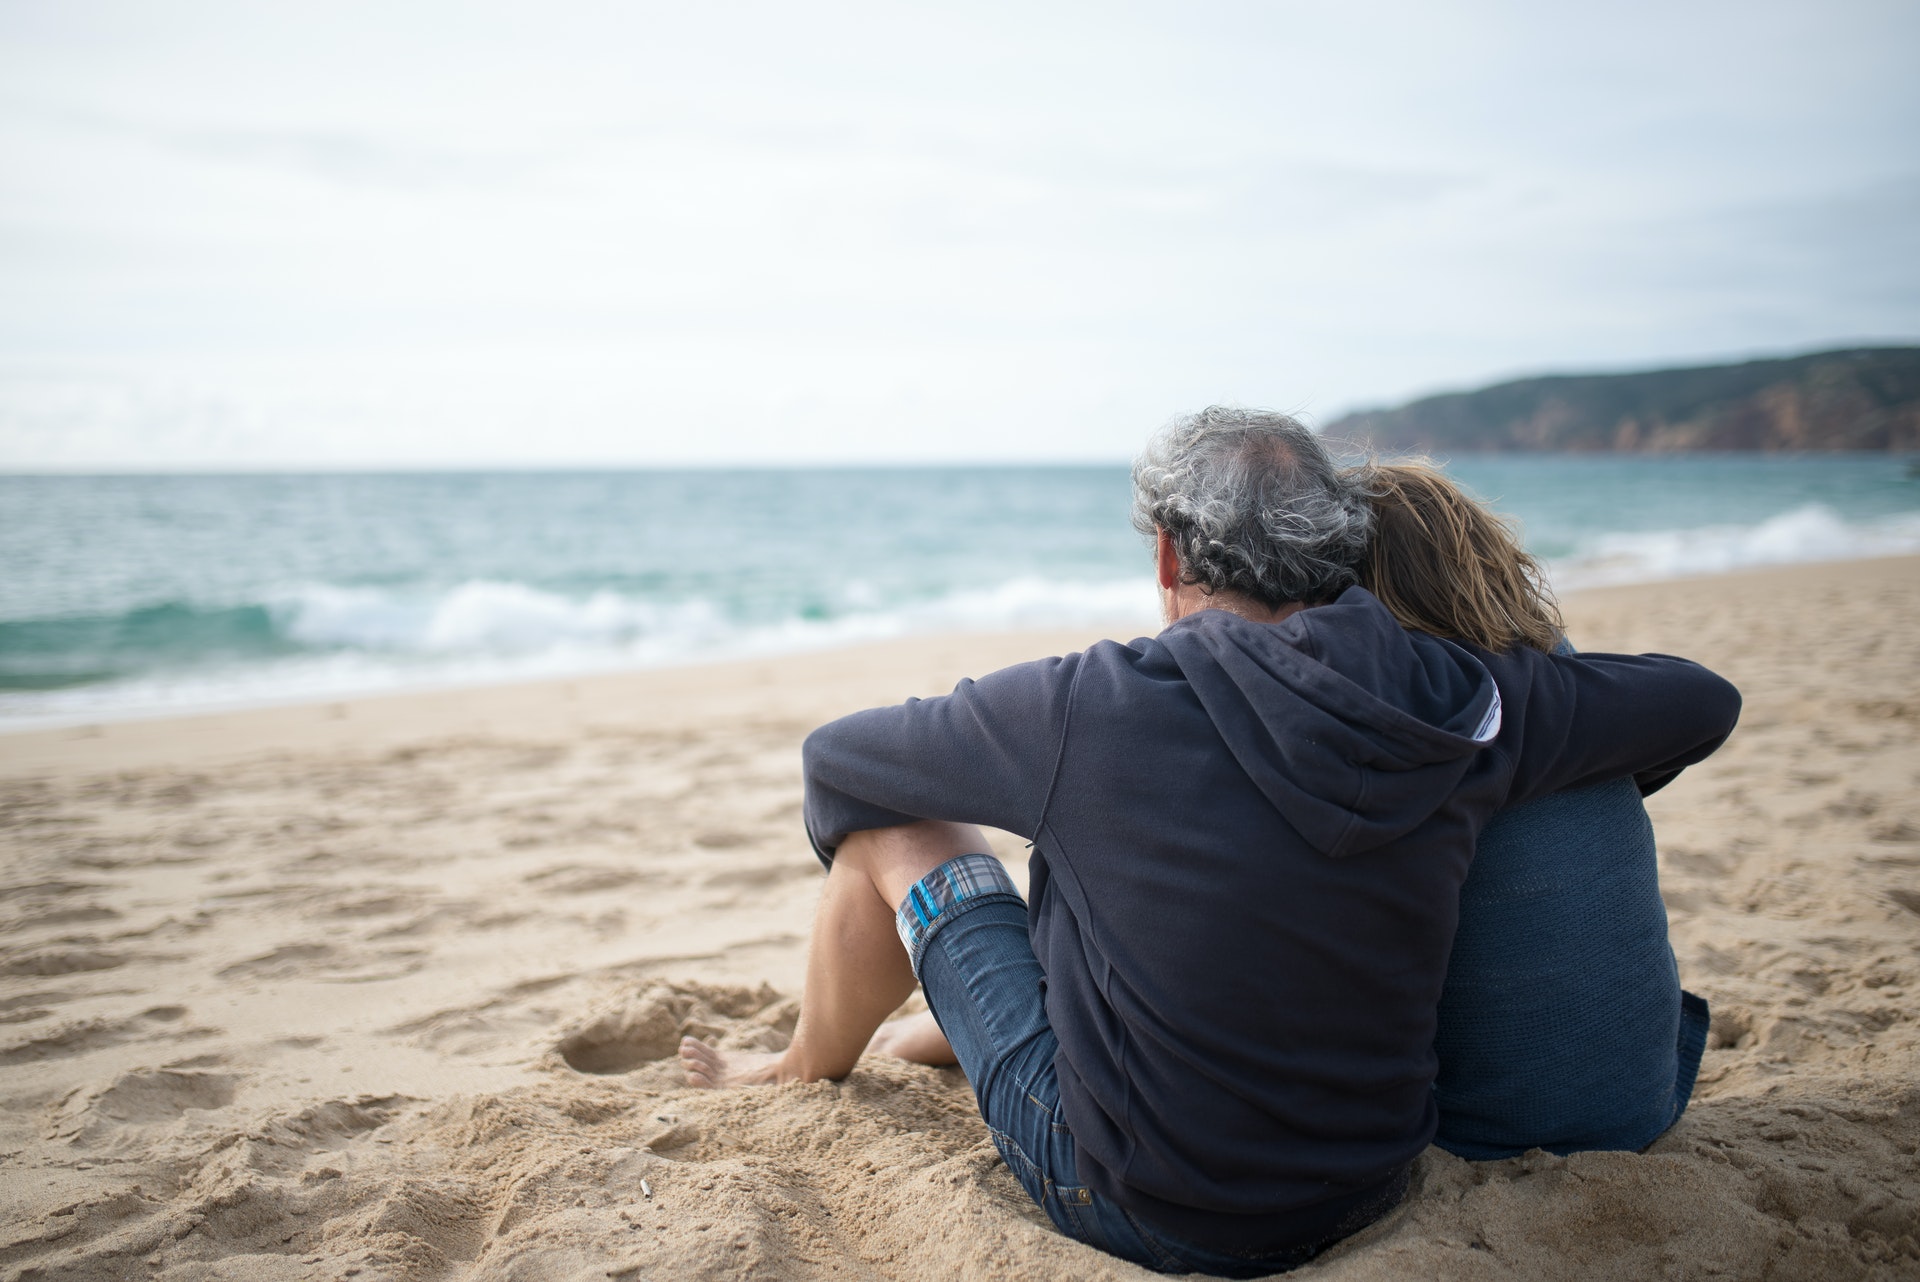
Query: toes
<point x="700" y="1062"/>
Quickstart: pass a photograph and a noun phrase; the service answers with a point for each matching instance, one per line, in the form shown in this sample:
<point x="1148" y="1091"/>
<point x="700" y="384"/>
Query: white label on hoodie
<point x="1489" y="724"/>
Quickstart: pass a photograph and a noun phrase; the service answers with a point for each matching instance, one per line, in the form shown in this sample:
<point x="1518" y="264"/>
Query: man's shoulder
<point x="1107" y="654"/>
<point x="1107" y="674"/>
<point x="1143" y="656"/>
<point x="1127" y="679"/>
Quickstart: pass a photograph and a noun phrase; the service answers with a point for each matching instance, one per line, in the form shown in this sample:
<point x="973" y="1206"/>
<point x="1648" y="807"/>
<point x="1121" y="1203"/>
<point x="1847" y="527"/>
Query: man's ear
<point x="1166" y="562"/>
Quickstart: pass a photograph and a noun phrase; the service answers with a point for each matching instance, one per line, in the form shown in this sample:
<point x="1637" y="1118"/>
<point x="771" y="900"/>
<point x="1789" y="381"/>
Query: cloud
<point x="385" y="159"/>
<point x="424" y="231"/>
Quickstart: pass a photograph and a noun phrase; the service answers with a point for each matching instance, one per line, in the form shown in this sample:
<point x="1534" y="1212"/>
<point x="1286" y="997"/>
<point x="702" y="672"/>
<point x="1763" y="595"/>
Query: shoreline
<point x="545" y="707"/>
<point x="555" y="705"/>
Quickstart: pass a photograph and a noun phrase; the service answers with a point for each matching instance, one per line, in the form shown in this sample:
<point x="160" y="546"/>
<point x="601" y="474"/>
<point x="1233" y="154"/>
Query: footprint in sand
<point x="583" y="879"/>
<point x="291" y="959"/>
<point x="326" y="963"/>
<point x="761" y="876"/>
<point x="622" y="1039"/>
<point x="24" y="1008"/>
<point x="156" y="1022"/>
<point x="382" y="904"/>
<point x="628" y="1033"/>
<point x="49" y="890"/>
<point x="60" y="960"/>
<point x="142" y="1098"/>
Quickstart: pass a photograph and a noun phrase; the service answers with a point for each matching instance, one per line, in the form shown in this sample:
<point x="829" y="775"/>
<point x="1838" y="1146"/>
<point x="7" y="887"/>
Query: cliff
<point x="1863" y="399"/>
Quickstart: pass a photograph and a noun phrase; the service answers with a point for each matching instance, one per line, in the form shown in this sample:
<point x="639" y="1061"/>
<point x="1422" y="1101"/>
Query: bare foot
<point x="709" y="1067"/>
<point x="916" y="1039"/>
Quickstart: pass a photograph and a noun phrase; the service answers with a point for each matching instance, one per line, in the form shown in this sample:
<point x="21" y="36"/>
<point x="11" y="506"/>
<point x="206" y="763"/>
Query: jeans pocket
<point x="1071" y="1209"/>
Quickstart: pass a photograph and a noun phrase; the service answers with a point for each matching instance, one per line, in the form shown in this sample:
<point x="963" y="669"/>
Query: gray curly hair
<point x="1254" y="505"/>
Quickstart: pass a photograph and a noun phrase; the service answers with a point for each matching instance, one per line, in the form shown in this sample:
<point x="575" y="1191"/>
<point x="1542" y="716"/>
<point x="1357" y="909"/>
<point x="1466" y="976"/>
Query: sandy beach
<point x="390" y="988"/>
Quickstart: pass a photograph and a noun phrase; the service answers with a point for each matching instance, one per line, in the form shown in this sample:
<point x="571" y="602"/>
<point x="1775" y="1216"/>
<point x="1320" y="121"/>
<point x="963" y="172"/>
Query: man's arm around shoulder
<point x="1594" y="717"/>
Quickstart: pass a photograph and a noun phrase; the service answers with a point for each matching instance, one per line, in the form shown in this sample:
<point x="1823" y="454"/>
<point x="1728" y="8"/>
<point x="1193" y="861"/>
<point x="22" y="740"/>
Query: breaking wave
<point x="321" y="640"/>
<point x="1810" y="533"/>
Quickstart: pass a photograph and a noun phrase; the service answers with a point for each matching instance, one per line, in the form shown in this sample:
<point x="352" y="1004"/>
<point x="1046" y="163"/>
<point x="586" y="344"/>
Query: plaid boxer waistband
<point x="945" y="889"/>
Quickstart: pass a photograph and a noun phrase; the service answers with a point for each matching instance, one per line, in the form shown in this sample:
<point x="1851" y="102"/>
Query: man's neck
<point x="1189" y="598"/>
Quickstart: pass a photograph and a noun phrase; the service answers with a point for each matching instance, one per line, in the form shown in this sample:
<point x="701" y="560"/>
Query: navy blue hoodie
<point x="1248" y="846"/>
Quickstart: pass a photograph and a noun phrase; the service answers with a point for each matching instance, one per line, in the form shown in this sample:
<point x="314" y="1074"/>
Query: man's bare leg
<point x="857" y="971"/>
<point x="916" y="1039"/>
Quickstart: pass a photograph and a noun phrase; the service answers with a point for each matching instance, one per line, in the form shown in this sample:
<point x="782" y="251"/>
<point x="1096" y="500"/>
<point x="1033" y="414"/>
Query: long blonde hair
<point x="1446" y="565"/>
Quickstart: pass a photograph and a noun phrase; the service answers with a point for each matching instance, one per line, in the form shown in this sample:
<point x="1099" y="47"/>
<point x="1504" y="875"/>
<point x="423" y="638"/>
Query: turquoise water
<point x="125" y="595"/>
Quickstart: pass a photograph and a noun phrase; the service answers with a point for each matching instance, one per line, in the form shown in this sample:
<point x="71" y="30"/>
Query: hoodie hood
<point x="1355" y="729"/>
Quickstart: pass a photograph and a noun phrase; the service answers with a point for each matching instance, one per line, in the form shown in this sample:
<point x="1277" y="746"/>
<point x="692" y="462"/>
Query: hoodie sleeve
<point x="1594" y="717"/>
<point x="984" y="754"/>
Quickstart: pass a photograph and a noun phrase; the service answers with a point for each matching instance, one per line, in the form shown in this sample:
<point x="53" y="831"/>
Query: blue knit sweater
<point x="1562" y="1023"/>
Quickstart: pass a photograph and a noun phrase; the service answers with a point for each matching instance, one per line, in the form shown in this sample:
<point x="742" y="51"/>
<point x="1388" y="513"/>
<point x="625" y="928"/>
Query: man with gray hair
<point x="1249" y="507"/>
<point x="1208" y="1045"/>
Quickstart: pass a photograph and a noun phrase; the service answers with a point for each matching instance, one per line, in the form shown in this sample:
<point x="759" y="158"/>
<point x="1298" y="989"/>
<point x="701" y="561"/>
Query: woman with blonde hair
<point x="1562" y="1024"/>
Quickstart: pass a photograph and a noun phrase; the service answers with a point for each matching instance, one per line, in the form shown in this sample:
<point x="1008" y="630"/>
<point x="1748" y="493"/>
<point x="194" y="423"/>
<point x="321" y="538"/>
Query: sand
<point x="390" y="988"/>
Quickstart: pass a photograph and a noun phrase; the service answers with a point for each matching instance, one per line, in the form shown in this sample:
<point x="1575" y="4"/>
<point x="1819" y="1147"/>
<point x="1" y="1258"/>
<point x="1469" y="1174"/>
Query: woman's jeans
<point x="966" y="928"/>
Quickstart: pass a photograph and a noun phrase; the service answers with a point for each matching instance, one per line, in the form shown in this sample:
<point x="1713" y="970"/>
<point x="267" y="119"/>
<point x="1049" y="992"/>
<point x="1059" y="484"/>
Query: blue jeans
<point x="982" y="983"/>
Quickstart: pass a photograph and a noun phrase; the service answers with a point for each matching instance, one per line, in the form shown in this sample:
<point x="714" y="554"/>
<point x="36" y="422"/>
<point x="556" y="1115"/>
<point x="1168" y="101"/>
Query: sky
<point x="478" y="235"/>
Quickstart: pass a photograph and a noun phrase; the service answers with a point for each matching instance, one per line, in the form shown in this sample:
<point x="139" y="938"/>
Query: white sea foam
<point x="479" y="617"/>
<point x="485" y="632"/>
<point x="512" y="620"/>
<point x="1810" y="533"/>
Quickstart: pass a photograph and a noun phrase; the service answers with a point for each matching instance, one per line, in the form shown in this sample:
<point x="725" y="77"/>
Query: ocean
<point x="127" y="596"/>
